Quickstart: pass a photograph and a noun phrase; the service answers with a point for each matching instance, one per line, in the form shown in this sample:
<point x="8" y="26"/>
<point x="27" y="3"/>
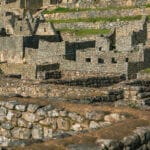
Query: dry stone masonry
<point x="26" y="123"/>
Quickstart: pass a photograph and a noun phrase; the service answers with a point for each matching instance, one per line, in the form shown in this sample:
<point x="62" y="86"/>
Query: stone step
<point x="143" y="95"/>
<point x="146" y="101"/>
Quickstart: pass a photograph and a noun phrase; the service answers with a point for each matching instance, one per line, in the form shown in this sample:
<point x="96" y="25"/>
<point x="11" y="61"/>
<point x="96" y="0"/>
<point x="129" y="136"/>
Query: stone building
<point x="32" y="49"/>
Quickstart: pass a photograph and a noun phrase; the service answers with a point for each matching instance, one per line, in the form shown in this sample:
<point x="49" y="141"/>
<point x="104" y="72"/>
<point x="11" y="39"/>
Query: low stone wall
<point x="22" y="123"/>
<point x="100" y="13"/>
<point x="141" y="75"/>
<point x="25" y="88"/>
<point x="89" y="25"/>
<point x="140" y="139"/>
<point x="91" y="81"/>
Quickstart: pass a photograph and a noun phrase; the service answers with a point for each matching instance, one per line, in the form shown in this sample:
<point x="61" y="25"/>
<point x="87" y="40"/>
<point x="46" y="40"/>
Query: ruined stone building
<point x="32" y="49"/>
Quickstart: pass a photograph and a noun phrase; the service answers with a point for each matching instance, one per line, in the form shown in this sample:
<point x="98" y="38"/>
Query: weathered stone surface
<point x="41" y="112"/>
<point x="3" y="111"/>
<point x="63" y="113"/>
<point x="37" y="132"/>
<point x="7" y="125"/>
<point x="75" y="117"/>
<point x="63" y="123"/>
<point x="29" y="116"/>
<point x="48" y="108"/>
<point x="132" y="141"/>
<point x="109" y="144"/>
<point x="21" y="133"/>
<point x="32" y="108"/>
<point x="94" y="125"/>
<point x="104" y="124"/>
<point x="76" y="127"/>
<point x="13" y="114"/>
<point x="143" y="133"/>
<point x="95" y="115"/>
<point x="53" y="113"/>
<point x="47" y="132"/>
<point x="21" y="107"/>
<point x="5" y="132"/>
<point x="85" y="146"/>
<point x="47" y="121"/>
<point x="24" y="123"/>
<point x="114" y="117"/>
<point x="11" y="104"/>
<point x="4" y="141"/>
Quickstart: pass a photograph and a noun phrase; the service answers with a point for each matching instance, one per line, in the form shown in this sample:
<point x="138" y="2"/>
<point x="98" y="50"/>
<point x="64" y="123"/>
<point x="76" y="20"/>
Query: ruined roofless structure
<point x="31" y="49"/>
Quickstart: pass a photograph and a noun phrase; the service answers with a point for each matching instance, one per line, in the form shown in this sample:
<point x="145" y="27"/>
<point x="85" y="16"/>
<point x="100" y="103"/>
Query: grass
<point x="98" y="19"/>
<point x="146" y="70"/>
<point x="67" y="10"/>
<point x="83" y="32"/>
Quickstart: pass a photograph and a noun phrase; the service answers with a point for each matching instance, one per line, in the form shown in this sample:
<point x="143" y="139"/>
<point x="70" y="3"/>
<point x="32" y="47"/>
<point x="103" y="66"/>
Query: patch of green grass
<point x="83" y="32"/>
<point x="146" y="70"/>
<point x="147" y="5"/>
<point x="98" y="19"/>
<point x="67" y="10"/>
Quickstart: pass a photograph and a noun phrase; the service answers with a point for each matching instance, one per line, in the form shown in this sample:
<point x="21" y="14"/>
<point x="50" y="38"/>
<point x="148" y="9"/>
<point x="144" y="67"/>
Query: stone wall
<point x="23" y="123"/>
<point x="100" y="13"/>
<point x="140" y="139"/>
<point x="26" y="71"/>
<point x="11" y="49"/>
<point x="33" y="89"/>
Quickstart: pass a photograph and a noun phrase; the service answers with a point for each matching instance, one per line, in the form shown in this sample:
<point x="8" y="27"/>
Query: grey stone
<point x="7" y="125"/>
<point x="47" y="121"/>
<point x="21" y="133"/>
<point x="85" y="146"/>
<point x="37" y="132"/>
<point x="114" y="117"/>
<point x="3" y="111"/>
<point x="21" y="107"/>
<point x="95" y="115"/>
<point x="94" y="125"/>
<point x="4" y="141"/>
<point x="132" y="141"/>
<point x="13" y="114"/>
<point x="48" y="108"/>
<point x="53" y="113"/>
<point x="11" y="104"/>
<point x="30" y="117"/>
<point x="5" y="132"/>
<point x="32" y="108"/>
<point x="63" y="113"/>
<point x="75" y="117"/>
<point x="24" y="123"/>
<point x="63" y="123"/>
<point x="76" y="127"/>
<point x="47" y="133"/>
<point x="41" y="112"/>
<point x="109" y="144"/>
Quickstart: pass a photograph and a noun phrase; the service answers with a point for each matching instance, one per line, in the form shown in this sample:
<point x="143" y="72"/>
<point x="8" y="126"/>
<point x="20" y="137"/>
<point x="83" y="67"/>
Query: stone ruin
<point x="30" y="48"/>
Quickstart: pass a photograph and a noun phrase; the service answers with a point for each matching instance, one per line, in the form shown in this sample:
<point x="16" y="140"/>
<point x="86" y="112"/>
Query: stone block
<point x="21" y="107"/>
<point x="37" y="132"/>
<point x="21" y="133"/>
<point x="32" y="108"/>
<point x="63" y="123"/>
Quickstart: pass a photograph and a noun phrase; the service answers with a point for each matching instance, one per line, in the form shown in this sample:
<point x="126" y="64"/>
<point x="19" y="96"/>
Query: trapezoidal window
<point x="126" y="59"/>
<point x="88" y="60"/>
<point x="100" y="61"/>
<point x="44" y="29"/>
<point x="100" y="48"/>
<point x="113" y="60"/>
<point x="20" y="28"/>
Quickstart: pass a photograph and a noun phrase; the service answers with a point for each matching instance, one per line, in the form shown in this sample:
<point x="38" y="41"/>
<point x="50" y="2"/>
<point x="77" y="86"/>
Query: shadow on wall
<point x="71" y="48"/>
